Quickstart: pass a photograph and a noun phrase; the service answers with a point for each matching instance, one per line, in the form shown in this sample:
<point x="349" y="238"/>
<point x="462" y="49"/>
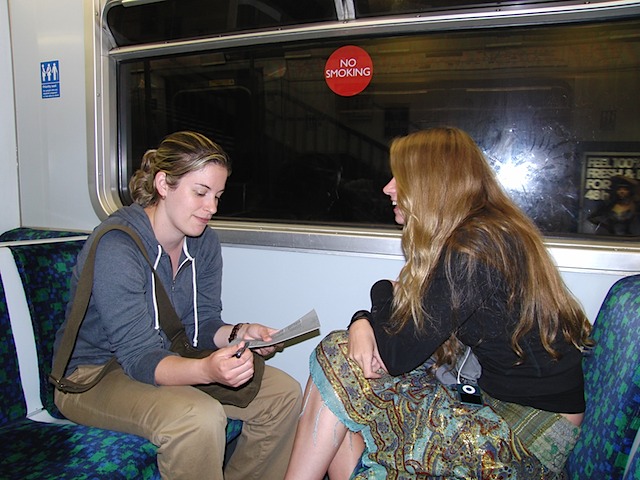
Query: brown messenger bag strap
<point x="169" y="321"/>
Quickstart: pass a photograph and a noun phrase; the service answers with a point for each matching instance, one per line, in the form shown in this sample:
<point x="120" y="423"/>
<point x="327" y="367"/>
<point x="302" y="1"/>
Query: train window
<point x="554" y="107"/>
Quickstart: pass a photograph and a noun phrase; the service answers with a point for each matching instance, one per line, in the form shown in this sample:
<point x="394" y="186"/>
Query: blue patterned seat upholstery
<point x="26" y="233"/>
<point x="12" y="404"/>
<point x="45" y="270"/>
<point x="39" y="451"/>
<point x="35" y="450"/>
<point x="612" y="387"/>
<point x="633" y="472"/>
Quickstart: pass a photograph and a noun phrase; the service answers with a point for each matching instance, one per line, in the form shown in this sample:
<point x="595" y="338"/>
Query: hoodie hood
<point x="136" y="218"/>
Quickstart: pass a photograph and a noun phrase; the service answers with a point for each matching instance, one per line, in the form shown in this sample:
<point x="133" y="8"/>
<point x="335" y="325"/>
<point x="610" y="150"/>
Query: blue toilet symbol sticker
<point x="50" y="78"/>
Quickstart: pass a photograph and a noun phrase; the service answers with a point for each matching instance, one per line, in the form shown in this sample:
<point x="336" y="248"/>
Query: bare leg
<point x="347" y="457"/>
<point x="321" y="443"/>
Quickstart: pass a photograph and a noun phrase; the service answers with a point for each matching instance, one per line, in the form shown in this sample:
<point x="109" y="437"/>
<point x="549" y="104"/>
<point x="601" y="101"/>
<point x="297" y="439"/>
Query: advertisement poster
<point x="610" y="193"/>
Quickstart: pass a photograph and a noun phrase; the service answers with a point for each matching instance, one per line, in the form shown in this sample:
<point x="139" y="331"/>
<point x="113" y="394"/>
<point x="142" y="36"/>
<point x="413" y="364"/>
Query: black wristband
<point x="234" y="332"/>
<point x="359" y="315"/>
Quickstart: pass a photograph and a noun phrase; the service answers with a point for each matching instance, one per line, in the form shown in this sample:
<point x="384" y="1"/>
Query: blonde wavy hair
<point x="178" y="154"/>
<point x="452" y="202"/>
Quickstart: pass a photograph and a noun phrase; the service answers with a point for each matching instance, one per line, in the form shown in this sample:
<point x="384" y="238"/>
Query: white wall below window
<point x="275" y="287"/>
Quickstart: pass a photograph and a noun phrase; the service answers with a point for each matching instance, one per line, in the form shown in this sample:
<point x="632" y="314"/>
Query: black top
<point x="483" y="322"/>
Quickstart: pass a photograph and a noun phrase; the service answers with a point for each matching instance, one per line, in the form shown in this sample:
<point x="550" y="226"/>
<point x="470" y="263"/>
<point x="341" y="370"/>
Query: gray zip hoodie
<point x="121" y="318"/>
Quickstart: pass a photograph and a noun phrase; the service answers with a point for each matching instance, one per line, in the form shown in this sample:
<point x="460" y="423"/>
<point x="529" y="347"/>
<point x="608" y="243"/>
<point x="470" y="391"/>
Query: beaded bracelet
<point x="234" y="332"/>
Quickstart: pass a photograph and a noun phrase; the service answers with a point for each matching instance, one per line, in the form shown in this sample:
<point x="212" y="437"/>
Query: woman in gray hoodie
<point x="175" y="192"/>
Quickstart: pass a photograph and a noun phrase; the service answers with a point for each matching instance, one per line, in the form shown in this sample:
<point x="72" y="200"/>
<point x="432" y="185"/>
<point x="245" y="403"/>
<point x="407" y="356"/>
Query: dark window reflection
<point x="546" y="104"/>
<point x="366" y="8"/>
<point x="187" y="19"/>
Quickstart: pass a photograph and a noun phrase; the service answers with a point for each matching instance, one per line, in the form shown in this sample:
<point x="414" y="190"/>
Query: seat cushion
<point x="42" y="451"/>
<point x="34" y="450"/>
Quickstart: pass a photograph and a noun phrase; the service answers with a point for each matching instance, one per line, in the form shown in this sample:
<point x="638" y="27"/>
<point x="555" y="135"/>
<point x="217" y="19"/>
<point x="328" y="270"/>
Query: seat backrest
<point x="27" y="233"/>
<point x="633" y="470"/>
<point x="612" y="387"/>
<point x="12" y="403"/>
<point x="45" y="270"/>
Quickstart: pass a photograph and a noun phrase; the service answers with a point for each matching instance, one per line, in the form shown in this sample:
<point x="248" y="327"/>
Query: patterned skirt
<point x="416" y="428"/>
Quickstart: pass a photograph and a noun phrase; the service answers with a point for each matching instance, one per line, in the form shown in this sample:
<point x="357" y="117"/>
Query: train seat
<point x="37" y="450"/>
<point x="38" y="443"/>
<point x="612" y="388"/>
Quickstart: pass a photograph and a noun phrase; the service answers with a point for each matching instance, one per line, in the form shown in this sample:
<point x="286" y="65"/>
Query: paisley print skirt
<point x="416" y="428"/>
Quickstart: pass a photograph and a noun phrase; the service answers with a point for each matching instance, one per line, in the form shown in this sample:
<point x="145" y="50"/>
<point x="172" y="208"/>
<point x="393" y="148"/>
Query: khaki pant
<point x="188" y="426"/>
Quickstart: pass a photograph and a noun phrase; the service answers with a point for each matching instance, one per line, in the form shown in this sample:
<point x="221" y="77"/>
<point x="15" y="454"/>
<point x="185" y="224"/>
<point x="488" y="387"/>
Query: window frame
<point x="605" y="253"/>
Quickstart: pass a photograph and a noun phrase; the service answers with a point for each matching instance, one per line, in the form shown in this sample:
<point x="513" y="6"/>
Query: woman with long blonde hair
<point x="479" y="284"/>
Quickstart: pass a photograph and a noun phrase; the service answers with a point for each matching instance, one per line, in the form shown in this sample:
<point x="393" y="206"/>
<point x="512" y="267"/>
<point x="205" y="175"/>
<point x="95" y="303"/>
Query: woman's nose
<point x="212" y="206"/>
<point x="390" y="187"/>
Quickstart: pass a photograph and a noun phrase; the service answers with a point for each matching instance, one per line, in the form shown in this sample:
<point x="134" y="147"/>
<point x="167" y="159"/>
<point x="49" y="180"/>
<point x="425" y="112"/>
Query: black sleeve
<point x="403" y="351"/>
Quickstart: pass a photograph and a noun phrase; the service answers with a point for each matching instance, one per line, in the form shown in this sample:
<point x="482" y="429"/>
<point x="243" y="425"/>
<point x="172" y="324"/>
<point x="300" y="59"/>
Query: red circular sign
<point x="348" y="70"/>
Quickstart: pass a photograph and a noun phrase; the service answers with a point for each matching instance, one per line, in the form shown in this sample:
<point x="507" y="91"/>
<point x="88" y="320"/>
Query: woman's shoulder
<point x="472" y="270"/>
<point x="118" y="245"/>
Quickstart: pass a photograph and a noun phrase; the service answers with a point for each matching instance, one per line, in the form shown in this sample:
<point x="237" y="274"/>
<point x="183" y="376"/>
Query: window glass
<point x="553" y="107"/>
<point x="186" y="19"/>
<point x="367" y="8"/>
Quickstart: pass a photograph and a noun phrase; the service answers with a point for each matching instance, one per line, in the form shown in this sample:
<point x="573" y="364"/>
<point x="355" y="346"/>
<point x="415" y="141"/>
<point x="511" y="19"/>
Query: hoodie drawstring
<point x="194" y="285"/>
<point x="153" y="290"/>
<point x="195" y="291"/>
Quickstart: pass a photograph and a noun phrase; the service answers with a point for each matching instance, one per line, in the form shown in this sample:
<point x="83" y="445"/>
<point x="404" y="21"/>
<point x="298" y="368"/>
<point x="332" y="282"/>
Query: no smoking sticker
<point x="348" y="70"/>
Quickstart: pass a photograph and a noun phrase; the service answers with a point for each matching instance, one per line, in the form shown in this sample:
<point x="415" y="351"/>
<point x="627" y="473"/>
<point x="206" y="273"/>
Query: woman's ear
<point x="160" y="182"/>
